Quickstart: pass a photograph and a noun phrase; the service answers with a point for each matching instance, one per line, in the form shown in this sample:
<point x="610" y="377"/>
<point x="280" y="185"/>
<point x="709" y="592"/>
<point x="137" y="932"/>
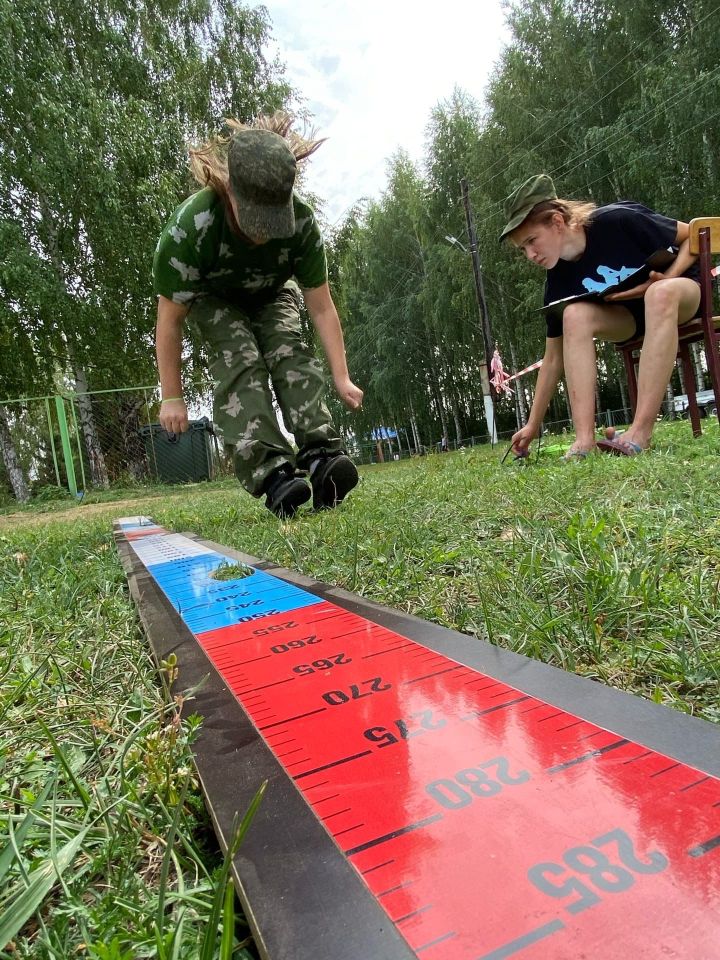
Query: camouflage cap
<point x="521" y="201"/>
<point x="262" y="170"/>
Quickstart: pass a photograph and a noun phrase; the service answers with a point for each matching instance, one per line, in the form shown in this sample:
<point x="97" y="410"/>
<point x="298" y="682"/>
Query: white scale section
<point x="163" y="547"/>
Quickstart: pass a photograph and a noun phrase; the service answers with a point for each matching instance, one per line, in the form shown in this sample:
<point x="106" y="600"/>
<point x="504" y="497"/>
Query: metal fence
<point x="389" y="449"/>
<point x="70" y="443"/>
<point x="81" y="441"/>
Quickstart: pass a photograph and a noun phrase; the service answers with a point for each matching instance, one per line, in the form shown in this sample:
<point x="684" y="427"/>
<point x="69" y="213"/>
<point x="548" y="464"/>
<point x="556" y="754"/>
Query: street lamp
<point x="456" y="243"/>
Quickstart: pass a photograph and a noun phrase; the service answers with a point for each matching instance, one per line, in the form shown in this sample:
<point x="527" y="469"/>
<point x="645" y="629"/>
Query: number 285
<point x="597" y="869"/>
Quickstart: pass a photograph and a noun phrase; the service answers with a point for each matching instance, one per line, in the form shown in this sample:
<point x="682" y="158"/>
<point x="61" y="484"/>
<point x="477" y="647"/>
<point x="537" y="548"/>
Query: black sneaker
<point x="332" y="478"/>
<point x="285" y="493"/>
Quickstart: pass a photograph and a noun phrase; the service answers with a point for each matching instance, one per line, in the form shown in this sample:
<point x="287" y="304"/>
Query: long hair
<point x="575" y="213"/>
<point x="208" y="161"/>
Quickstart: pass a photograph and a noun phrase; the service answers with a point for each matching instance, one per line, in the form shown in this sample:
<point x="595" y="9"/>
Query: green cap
<point x="521" y="201"/>
<point x="262" y="170"/>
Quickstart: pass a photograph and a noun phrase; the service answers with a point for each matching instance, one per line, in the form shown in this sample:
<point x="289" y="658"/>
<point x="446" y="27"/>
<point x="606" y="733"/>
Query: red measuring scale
<point x="486" y="822"/>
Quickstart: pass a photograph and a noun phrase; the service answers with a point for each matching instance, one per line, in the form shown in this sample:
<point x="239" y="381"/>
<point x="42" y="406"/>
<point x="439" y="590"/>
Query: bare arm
<point x="325" y="319"/>
<point x="168" y="348"/>
<point x="684" y="259"/>
<point x="548" y="378"/>
<point x="677" y="268"/>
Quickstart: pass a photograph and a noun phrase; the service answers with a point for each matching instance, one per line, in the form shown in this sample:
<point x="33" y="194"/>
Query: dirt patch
<point x="81" y="511"/>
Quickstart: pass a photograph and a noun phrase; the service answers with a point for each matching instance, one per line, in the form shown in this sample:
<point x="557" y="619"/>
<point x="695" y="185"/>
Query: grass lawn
<point x="609" y="568"/>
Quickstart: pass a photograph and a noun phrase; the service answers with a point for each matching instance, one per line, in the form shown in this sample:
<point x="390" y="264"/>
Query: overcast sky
<point x="371" y="71"/>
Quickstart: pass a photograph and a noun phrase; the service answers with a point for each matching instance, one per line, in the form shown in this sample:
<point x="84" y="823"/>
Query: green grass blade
<point x="59" y="753"/>
<point x="8" y="854"/>
<point x="43" y="879"/>
<point x="227" y="939"/>
<point x="167" y="856"/>
<point x="178" y="931"/>
<point x="211" y="930"/>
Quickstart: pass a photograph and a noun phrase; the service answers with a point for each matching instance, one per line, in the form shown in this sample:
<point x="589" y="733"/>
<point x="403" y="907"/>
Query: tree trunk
<point x="456" y="418"/>
<point x="98" y="470"/>
<point x="697" y="362"/>
<point x="10" y="459"/>
<point x="96" y="459"/>
<point x="681" y="377"/>
<point x="709" y="157"/>
<point x="437" y="395"/>
<point x="132" y="450"/>
<point x="397" y="437"/>
<point x="623" y="392"/>
<point x="566" y="398"/>
<point x="414" y="429"/>
<point x="670" y="397"/>
<point x="413" y="433"/>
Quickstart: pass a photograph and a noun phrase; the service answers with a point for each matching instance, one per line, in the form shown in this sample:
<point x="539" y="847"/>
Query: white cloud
<point x="371" y="71"/>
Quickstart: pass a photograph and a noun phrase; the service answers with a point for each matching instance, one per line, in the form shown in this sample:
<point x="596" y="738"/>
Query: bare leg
<point x="582" y="323"/>
<point x="668" y="303"/>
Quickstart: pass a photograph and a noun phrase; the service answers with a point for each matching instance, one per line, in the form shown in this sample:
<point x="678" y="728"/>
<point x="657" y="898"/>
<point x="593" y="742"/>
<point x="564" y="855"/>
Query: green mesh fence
<point x="28" y="447"/>
<point x="57" y="446"/>
<point x="78" y="442"/>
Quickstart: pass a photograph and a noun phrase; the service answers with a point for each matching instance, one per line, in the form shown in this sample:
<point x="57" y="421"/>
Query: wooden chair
<point x="704" y="241"/>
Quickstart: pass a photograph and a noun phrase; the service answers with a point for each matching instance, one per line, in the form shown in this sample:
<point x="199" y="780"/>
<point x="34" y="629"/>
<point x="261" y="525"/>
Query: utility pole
<point x="488" y="397"/>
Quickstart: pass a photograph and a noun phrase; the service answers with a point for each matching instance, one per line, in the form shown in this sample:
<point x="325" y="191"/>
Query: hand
<point x="174" y="416"/>
<point x="522" y="439"/>
<point x="350" y="395"/>
<point x="636" y="292"/>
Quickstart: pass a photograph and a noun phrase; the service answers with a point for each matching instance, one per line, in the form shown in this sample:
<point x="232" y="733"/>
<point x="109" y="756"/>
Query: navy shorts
<point x="637" y="309"/>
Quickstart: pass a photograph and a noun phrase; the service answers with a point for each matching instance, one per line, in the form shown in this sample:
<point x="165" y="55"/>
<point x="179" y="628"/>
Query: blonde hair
<point x="208" y="161"/>
<point x="575" y="213"/>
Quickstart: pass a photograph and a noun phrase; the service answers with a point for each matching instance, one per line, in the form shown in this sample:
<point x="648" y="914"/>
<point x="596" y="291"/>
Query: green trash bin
<point x="182" y="457"/>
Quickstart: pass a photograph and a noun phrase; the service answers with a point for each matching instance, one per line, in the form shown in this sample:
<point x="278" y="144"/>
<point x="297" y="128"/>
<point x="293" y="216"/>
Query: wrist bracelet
<point x="168" y="399"/>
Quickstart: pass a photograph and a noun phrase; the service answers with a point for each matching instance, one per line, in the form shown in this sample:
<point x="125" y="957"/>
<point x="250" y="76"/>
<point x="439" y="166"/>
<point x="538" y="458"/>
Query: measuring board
<point x="430" y="795"/>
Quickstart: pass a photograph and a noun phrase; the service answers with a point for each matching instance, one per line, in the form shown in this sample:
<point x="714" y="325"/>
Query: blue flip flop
<point x="620" y="447"/>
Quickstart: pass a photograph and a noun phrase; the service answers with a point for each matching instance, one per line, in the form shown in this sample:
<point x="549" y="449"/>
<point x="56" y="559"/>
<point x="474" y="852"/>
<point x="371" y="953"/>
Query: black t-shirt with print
<point x="620" y="238"/>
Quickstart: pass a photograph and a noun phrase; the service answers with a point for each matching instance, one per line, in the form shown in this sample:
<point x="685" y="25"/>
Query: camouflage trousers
<point x="249" y="348"/>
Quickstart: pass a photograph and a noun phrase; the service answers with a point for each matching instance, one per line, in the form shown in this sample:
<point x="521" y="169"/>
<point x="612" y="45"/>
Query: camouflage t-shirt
<point x="198" y="253"/>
